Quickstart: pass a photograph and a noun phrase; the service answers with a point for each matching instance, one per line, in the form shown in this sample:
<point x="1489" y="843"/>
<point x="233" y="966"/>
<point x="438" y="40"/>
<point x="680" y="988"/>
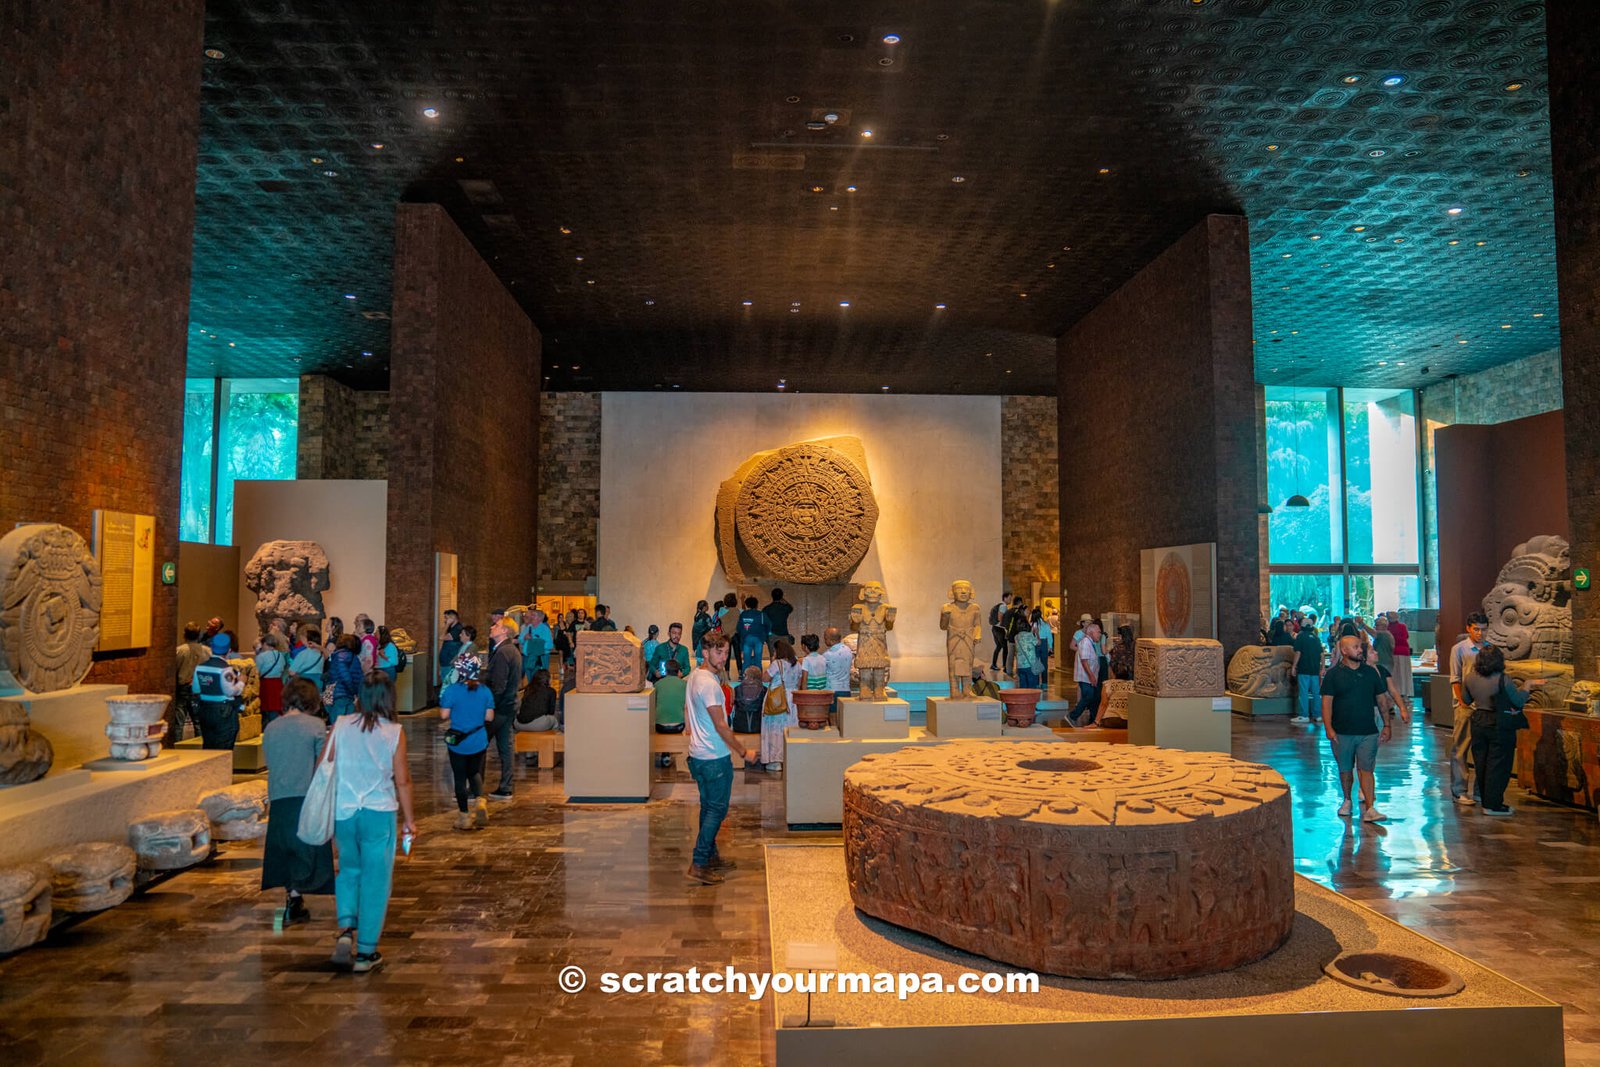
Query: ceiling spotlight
<point x="1538" y="314"/>
<point x="891" y="38"/>
<point x="782" y="386"/>
<point x="866" y="133"/>
<point x="1452" y="211"/>
<point x="1482" y="243"/>
<point x="1512" y="87"/>
<point x="330" y="174"/>
<point x="566" y="231"/>
<point x="589" y="281"/>
<point x="844" y="303"/>
<point x="938" y="307"/>
<point x="1383" y="363"/>
<point x="1350" y="79"/>
<point x="1022" y="296"/>
<point x="430" y="112"/>
<point x="958" y="179"/>
<point x="817" y="188"/>
<point x="1505" y="326"/>
<point x="349" y="296"/>
<point x="1461" y="340"/>
<point x="886" y="388"/>
<point x="747" y="303"/>
<point x="1357" y="229"/>
<point x="461" y="159"/>
<point x="1376" y="153"/>
<point x="1394" y="79"/>
<point x="1316" y="237"/>
<point x="794" y="311"/>
<point x="366" y="353"/>
<point x="217" y="53"/>
<point x="1402" y="363"/>
<point x="316" y="159"/>
<point x="1455" y="242"/>
<point x="849" y="188"/>
<point x="794" y="303"/>
<point x="578" y="258"/>
<point x="1288" y="255"/>
<point x="1270" y="148"/>
<point x="831" y="117"/>
<point x="1105" y="170"/>
<point x="649" y="303"/>
<point x="377" y="145"/>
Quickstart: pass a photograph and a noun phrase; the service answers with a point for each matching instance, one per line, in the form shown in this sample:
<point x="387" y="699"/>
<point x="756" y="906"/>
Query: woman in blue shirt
<point x="388" y="658"/>
<point x="468" y="707"/>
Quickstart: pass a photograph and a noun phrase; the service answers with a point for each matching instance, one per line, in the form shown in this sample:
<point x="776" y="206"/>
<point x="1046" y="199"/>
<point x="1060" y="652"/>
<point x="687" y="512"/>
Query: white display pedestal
<point x="861" y="720"/>
<point x="959" y="717"/>
<point x="1196" y="724"/>
<point x="1257" y="707"/>
<point x="44" y="816"/>
<point x="411" y="687"/>
<point x="1037" y="732"/>
<point x="247" y="755"/>
<point x="815" y="762"/>
<point x="74" y="720"/>
<point x="607" y="746"/>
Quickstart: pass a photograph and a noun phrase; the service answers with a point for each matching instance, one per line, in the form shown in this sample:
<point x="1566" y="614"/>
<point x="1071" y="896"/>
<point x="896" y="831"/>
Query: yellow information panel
<point x="124" y="544"/>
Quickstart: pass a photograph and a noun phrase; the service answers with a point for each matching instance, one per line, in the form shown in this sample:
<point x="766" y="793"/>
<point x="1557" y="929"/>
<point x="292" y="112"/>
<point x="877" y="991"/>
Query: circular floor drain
<point x="1400" y="976"/>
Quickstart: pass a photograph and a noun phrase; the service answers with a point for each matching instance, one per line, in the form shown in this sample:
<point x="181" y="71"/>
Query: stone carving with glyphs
<point x="25" y="754"/>
<point x="91" y="877"/>
<point x="24" y="906"/>
<point x="609" y="661"/>
<point x="1177" y="667"/>
<point x="1529" y="611"/>
<point x="237" y="812"/>
<point x="171" y="840"/>
<point x="1118" y="863"/>
<point x="1261" y="671"/>
<point x="50" y="599"/>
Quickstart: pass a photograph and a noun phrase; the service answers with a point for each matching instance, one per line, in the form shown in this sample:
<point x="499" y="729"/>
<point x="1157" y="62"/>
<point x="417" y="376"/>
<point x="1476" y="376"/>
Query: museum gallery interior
<point x="783" y="533"/>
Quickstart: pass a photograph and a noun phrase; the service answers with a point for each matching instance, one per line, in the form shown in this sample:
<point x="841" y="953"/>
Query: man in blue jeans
<point x="711" y="746"/>
<point x="1308" y="672"/>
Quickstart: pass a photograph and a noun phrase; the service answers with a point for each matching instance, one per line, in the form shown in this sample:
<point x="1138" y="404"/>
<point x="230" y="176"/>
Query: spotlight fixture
<point x="1376" y="153"/>
<point x="1512" y="87"/>
<point x="1272" y="148"/>
<point x="1505" y="326"/>
<point x="1357" y="229"/>
<point x="747" y="303"/>
<point x="849" y="188"/>
<point x="1316" y="237"/>
<point x="1452" y="211"/>
<point x="566" y="231"/>
<point x="844" y="303"/>
<point x="958" y="179"/>
<point x="589" y="281"/>
<point x="831" y="117"/>
<point x="430" y="112"/>
<point x="330" y="174"/>
<point x="1105" y="170"/>
<point x="938" y="307"/>
<point x="377" y="146"/>
<point x="866" y="134"/>
<point x="886" y="388"/>
<point x="366" y="353"/>
<point x="891" y="38"/>
<point x="578" y="258"/>
<point x="316" y="159"/>
<point x="1394" y="79"/>
<point x="649" y="303"/>
<point x="1538" y="314"/>
<point x="217" y="53"/>
<point x="1350" y="79"/>
<point x="816" y="188"/>
<point x="349" y="296"/>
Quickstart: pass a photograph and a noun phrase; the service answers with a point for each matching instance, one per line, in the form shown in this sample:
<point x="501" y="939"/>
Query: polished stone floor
<point x="481" y="923"/>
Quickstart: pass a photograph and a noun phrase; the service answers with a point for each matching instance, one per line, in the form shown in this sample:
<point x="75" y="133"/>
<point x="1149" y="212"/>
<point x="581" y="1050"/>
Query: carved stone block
<point x="1261" y="671"/>
<point x="609" y="661"/>
<point x="1557" y="678"/>
<point x="1127" y="863"/>
<point x="136" y="727"/>
<point x="1115" y="715"/>
<point x="237" y="812"/>
<point x="24" y="906"/>
<point x="25" y="754"/>
<point x="288" y="578"/>
<point x="91" y="877"/>
<point x="171" y="840"/>
<point x="50" y="591"/>
<point x="802" y="513"/>
<point x="1177" y="667"/>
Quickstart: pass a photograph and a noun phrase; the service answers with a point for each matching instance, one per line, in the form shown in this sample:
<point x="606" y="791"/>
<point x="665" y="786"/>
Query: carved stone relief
<point x="609" y="661"/>
<point x="91" y="877"/>
<point x="50" y="591"/>
<point x="288" y="578"/>
<point x="1528" y="609"/>
<point x="25" y="755"/>
<point x="171" y="840"/>
<point x="1261" y="671"/>
<point x="24" y="906"/>
<point x="1177" y="667"/>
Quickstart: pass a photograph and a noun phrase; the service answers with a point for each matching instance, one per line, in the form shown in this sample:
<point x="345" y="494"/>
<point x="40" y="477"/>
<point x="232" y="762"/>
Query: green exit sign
<point x="169" y="573"/>
<point x="1580" y="577"/>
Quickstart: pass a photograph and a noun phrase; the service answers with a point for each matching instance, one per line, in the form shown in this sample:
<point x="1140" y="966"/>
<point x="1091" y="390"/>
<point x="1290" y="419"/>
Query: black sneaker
<point x="498" y="795"/>
<point x="367" y="961"/>
<point x="295" y="911"/>
<point x="344" y="947"/>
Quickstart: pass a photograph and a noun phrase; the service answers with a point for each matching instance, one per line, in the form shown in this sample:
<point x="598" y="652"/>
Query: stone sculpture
<point x="609" y="661"/>
<point x="802" y="513"/>
<point x="962" y="623"/>
<point x="136" y="727"/>
<point x="1528" y="609"/>
<point x="1177" y="667"/>
<point x="1261" y="671"/>
<point x="50" y="591"/>
<point x="237" y="812"/>
<point x="1124" y="863"/>
<point x="171" y="840"/>
<point x="811" y="708"/>
<point x="872" y="620"/>
<point x="91" y="877"/>
<point x="24" y="906"/>
<point x="25" y="756"/>
<point x="288" y="578"/>
<point x="1584" y="699"/>
<point x="1557" y="678"/>
<point x="1115" y="714"/>
<point x="250" y="725"/>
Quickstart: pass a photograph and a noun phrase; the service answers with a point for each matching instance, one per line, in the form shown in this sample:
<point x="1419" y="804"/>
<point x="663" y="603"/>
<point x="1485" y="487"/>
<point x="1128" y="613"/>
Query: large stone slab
<point x="1120" y="862"/>
<point x="50" y="592"/>
<point x="609" y="661"/>
<point x="1177" y="667"/>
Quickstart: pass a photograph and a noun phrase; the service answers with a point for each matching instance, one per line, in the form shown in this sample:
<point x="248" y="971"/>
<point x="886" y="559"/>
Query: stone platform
<point x="42" y="817"/>
<point x="1246" y="1017"/>
<point x="1198" y="724"/>
<point x="1260" y="707"/>
<point x="247" y="756"/>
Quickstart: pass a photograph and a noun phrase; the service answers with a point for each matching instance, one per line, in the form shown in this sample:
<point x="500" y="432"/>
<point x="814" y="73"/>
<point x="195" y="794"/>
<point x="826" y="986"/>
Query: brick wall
<point x="464" y="449"/>
<point x="99" y="110"/>
<point x="1179" y="431"/>
<point x="1030" y="488"/>
<point x="569" y="485"/>
<point x="1575" y="159"/>
<point x="343" y="432"/>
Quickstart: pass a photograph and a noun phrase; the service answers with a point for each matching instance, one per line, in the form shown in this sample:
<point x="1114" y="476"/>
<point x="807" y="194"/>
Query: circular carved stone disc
<point x="1173" y="595"/>
<point x="50" y="592"/>
<point x="806" y="514"/>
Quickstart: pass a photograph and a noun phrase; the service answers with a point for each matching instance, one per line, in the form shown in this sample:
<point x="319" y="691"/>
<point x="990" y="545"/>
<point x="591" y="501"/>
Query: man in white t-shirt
<point x="711" y="746"/>
<point x="839" y="657"/>
<point x="1086" y="672"/>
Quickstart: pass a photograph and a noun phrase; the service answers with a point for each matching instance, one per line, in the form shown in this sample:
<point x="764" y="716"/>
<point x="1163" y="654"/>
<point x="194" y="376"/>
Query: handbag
<point x="316" y="810"/>
<point x="777" y="700"/>
<point x="1515" y="718"/>
<point x="453" y="738"/>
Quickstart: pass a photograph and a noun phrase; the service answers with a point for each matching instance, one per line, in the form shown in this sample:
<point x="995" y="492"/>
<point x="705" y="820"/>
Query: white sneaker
<point x="1344" y="810"/>
<point x="1299" y="720"/>
<point x="1373" y="815"/>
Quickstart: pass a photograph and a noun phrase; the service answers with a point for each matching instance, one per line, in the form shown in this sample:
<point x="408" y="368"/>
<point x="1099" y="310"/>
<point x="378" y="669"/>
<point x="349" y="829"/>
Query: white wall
<point x="935" y="466"/>
<point x="349" y="519"/>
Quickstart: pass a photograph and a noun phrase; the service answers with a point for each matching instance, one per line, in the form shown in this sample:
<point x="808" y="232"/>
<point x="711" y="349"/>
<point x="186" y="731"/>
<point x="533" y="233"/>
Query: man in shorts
<point x="1354" y="697"/>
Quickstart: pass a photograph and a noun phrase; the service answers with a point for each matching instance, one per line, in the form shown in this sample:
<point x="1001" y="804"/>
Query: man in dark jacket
<point x="505" y="671"/>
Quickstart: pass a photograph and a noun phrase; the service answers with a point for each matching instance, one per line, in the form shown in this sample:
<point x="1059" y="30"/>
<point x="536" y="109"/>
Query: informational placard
<point x="124" y="543"/>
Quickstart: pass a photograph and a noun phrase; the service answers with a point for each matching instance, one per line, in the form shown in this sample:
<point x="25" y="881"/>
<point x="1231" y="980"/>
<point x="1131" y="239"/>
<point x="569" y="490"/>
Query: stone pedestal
<point x="247" y="757"/>
<point x="955" y="717"/>
<point x="1258" y="707"/>
<point x="607" y="746"/>
<point x="861" y="720"/>
<point x="1196" y="724"/>
<point x="73" y="720"/>
<point x="1037" y="732"/>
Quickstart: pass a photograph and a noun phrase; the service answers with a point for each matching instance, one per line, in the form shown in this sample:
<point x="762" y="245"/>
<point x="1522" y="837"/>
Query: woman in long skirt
<point x="291" y="744"/>
<point x="784" y="670"/>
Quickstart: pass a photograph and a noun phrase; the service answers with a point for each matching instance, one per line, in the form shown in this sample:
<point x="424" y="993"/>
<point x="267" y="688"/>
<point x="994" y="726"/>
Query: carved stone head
<point x="872" y="592"/>
<point x="288" y="578"/>
<point x="961" y="592"/>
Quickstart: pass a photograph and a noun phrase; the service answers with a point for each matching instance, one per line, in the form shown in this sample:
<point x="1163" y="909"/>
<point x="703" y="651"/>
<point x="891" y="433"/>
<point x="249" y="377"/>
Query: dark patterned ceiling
<point x="636" y="172"/>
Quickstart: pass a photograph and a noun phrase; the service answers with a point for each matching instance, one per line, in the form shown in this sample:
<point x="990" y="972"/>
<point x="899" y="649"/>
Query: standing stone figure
<point x="288" y="578"/>
<point x="872" y="620"/>
<point x="962" y="623"/>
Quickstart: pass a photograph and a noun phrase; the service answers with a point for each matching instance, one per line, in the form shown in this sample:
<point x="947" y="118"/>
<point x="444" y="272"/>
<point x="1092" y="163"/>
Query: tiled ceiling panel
<point x="636" y="173"/>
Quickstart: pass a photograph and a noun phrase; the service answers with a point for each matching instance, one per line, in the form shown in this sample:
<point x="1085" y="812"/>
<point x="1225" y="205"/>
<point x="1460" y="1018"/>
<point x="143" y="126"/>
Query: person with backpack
<point x="1001" y="660"/>
<point x="1497" y="715"/>
<point x="1015" y="620"/>
<point x="467" y="706"/>
<point x="751" y="634"/>
<point x="703" y="621"/>
<point x="390" y="660"/>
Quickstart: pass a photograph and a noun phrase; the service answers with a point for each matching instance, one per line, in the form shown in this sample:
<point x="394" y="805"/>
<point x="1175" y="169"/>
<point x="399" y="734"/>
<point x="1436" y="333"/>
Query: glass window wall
<point x="199" y="434"/>
<point x="255" y="437"/>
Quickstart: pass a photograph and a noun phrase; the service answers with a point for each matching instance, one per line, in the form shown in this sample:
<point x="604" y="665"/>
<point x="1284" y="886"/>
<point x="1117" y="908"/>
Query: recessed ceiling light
<point x="578" y="258"/>
<point x="430" y="112"/>
<point x="366" y="353"/>
<point x="831" y="117"/>
<point x="377" y="146"/>
<point x="589" y="281"/>
<point x="1523" y="173"/>
<point x="330" y="174"/>
<point x="958" y="179"/>
<point x="782" y="386"/>
<point x="1401" y="363"/>
<point x="232" y="345"/>
<point x="849" y="188"/>
<point x="1022" y="296"/>
<point x="1461" y="340"/>
<point x="833" y="207"/>
<point x="649" y="303"/>
<point x="1455" y="242"/>
<point x="1049" y="266"/>
<point x="1357" y="229"/>
<point x="1105" y="170"/>
<point x="794" y="303"/>
<point x="215" y="53"/>
<point x="938" y="307"/>
<point x="1316" y="237"/>
<point x="1512" y="87"/>
<point x="566" y="231"/>
<point x="794" y="311"/>
<point x="885" y="62"/>
<point x="1538" y="314"/>
<point x="791" y="99"/>
<point x="1482" y="243"/>
<point x="1288" y="255"/>
<point x="349" y="296"/>
<point x="1505" y="326"/>
<point x="747" y="303"/>
<point x="1394" y="79"/>
<point x="816" y="188"/>
<point x="1399" y="240"/>
<point x="891" y="38"/>
<point x="1452" y="211"/>
<point x="1383" y="363"/>
<point x="461" y="159"/>
<point x="1376" y="153"/>
<point x="316" y="159"/>
<point x="886" y="388"/>
<point x="1350" y="79"/>
<point x="866" y="133"/>
<point x="941" y="137"/>
<point x="844" y="303"/>
<point x="1272" y="148"/>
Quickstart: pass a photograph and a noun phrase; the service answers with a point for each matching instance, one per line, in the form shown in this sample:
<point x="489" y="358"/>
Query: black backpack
<point x="994" y="615"/>
<point x="402" y="661"/>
